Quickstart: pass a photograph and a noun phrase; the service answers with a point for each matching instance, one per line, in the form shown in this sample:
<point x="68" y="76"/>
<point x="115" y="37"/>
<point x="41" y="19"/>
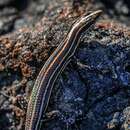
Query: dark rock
<point x="5" y="2"/>
<point x="93" y="91"/>
<point x="7" y="18"/>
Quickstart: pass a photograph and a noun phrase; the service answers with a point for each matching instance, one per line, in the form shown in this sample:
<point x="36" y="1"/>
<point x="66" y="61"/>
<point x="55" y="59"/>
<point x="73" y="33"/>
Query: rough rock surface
<point x="93" y="92"/>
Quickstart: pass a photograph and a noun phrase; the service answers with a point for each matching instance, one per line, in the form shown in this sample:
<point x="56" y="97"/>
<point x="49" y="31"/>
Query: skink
<point x="55" y="64"/>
